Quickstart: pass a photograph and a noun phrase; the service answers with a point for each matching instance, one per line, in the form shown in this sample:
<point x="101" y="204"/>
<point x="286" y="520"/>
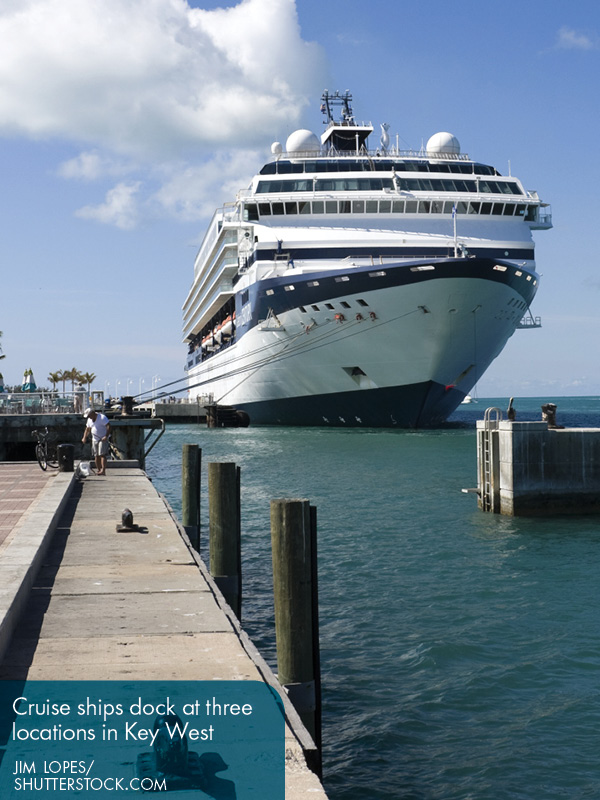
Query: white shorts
<point x="100" y="448"/>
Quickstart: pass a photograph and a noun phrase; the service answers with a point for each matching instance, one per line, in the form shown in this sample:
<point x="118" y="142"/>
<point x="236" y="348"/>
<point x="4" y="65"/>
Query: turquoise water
<point x="460" y="651"/>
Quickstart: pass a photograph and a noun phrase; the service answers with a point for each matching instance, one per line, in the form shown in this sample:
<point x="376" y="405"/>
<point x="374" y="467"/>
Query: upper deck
<point x="317" y="193"/>
<point x="437" y="179"/>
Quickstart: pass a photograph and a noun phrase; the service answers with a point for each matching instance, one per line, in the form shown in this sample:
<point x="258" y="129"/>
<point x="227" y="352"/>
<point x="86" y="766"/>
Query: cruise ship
<point x="349" y="286"/>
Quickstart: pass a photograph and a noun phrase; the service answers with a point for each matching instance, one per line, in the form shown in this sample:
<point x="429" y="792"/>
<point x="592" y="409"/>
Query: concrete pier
<point x="527" y="468"/>
<point x="189" y="413"/>
<point x="133" y="437"/>
<point x="17" y="443"/>
<point x="84" y="602"/>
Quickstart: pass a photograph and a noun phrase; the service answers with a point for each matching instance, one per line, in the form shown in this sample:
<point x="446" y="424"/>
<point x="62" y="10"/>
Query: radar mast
<point x="342" y="135"/>
<point x="330" y="101"/>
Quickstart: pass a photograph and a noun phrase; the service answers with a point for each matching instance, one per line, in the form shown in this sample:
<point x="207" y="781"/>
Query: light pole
<point x="117" y="389"/>
<point x="106" y="388"/>
<point x="155" y="382"/>
<point x="142" y="382"/>
<point x="129" y="380"/>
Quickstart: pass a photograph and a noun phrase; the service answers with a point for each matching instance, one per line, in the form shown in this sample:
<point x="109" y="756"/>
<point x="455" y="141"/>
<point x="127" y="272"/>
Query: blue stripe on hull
<point x="317" y="287"/>
<point x="417" y="405"/>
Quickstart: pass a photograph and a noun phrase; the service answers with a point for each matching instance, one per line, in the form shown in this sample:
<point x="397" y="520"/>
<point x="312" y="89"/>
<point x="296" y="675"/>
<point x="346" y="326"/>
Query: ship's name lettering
<point x="246" y="314"/>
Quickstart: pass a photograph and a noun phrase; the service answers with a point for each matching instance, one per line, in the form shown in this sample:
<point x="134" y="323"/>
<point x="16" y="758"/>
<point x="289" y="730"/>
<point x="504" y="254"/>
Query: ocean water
<point x="460" y="650"/>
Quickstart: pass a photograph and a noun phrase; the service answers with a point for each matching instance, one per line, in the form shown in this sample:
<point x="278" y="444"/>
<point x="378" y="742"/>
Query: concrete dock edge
<point x="292" y="717"/>
<point x="23" y="555"/>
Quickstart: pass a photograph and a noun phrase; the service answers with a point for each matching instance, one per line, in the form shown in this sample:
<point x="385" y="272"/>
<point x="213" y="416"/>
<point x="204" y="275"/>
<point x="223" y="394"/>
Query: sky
<point x="125" y="123"/>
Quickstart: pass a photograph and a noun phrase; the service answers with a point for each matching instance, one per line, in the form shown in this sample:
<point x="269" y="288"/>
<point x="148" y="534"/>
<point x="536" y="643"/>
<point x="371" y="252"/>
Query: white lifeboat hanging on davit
<point x="208" y="343"/>
<point x="227" y="326"/>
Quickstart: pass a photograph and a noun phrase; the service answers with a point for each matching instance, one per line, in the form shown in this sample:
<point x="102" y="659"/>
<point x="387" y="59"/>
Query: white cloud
<point x="348" y="39"/>
<point x="569" y="39"/>
<point x="194" y="191"/>
<point x="153" y="78"/>
<point x="119" y="208"/>
<point x="156" y="91"/>
<point x="92" y="165"/>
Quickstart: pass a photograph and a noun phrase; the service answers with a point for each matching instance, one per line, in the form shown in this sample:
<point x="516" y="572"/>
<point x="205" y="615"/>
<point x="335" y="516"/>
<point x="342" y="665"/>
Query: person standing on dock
<point x="99" y="425"/>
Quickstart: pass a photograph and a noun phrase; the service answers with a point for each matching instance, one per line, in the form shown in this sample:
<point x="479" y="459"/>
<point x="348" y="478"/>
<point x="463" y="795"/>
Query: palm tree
<point x="54" y="378"/>
<point x="72" y="375"/>
<point x="89" y="378"/>
<point x="75" y="377"/>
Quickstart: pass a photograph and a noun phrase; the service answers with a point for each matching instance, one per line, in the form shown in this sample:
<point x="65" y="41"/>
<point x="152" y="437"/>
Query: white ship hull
<point x="405" y="354"/>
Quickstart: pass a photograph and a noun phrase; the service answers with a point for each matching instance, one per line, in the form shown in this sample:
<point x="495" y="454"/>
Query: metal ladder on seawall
<point x="490" y="425"/>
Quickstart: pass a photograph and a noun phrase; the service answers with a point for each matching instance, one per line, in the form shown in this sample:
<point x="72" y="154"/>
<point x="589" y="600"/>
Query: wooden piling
<point x="293" y="540"/>
<point x="190" y="492"/>
<point x="225" y="527"/>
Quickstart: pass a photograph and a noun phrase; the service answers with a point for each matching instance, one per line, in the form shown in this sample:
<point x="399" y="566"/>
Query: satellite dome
<point x="302" y="141"/>
<point x="443" y="143"/>
<point x="276" y="148"/>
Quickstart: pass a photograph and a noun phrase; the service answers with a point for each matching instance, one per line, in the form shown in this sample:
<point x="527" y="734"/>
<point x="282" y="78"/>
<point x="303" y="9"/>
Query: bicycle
<point x="44" y="451"/>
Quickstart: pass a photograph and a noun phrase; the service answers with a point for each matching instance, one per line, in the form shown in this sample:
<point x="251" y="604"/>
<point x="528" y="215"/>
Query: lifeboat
<point x="227" y="326"/>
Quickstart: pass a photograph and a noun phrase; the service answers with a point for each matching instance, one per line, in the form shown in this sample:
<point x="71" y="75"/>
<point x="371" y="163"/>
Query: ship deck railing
<point x="379" y="194"/>
<point x="348" y="123"/>
<point x="390" y="152"/>
<point x="529" y="322"/>
<point x="229" y="212"/>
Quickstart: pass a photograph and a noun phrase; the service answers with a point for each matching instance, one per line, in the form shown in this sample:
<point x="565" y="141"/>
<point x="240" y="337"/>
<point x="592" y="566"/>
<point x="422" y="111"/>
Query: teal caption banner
<point x="107" y="739"/>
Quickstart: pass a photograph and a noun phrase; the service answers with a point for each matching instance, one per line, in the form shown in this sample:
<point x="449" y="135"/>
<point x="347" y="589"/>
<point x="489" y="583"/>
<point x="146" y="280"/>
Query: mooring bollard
<point x="293" y="539"/>
<point x="225" y="531"/>
<point x="190" y="492"/>
<point x="126" y="406"/>
<point x="549" y="416"/>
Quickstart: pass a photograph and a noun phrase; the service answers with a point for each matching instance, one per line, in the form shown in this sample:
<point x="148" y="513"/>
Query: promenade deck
<point x="84" y="602"/>
<point x="20" y="486"/>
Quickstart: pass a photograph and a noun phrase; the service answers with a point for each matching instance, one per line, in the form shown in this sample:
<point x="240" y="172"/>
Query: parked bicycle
<point x="45" y="449"/>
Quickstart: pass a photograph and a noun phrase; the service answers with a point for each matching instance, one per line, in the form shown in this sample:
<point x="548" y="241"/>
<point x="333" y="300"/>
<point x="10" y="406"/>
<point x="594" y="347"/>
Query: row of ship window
<point x="331" y="307"/>
<point x="483" y="186"/>
<point x="382" y="273"/>
<point x="375" y="165"/>
<point x="252" y="212"/>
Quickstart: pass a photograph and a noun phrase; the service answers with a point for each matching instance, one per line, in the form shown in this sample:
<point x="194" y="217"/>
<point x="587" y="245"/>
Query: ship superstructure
<point x="349" y="286"/>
